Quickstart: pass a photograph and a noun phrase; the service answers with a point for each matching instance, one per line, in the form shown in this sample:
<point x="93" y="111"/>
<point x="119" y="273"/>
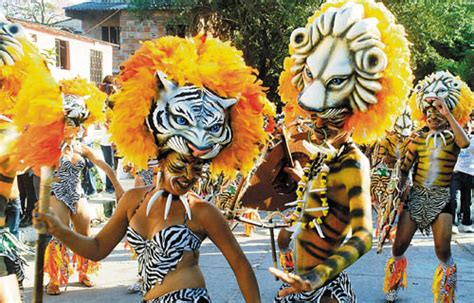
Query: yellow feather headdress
<point x="31" y="96"/>
<point x="396" y="80"/>
<point x="95" y="99"/>
<point x="200" y="61"/>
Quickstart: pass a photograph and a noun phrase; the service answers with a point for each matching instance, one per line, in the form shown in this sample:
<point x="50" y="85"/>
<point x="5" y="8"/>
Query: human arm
<point x="89" y="153"/>
<point x="460" y="137"/>
<point x="98" y="247"/>
<point x="409" y="159"/>
<point x="218" y="231"/>
<point x="356" y="180"/>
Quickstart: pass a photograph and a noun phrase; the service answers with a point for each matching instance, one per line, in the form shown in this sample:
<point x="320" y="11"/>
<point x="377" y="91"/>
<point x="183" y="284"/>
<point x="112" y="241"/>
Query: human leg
<point x="109" y="159"/>
<point x="31" y="199"/>
<point x="57" y="259"/>
<point x="395" y="269"/>
<point x="89" y="183"/>
<point x="445" y="277"/>
<point x="12" y="214"/>
<point x="466" y="188"/>
<point x="455" y="192"/>
<point x="286" y="253"/>
<point x="81" y="221"/>
<point x="22" y="190"/>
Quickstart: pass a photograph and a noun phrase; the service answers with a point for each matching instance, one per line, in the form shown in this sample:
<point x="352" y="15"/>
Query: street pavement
<point x="118" y="271"/>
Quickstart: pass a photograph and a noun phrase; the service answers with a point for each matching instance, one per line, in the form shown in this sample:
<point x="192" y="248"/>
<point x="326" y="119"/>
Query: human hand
<point x="441" y="106"/>
<point x="296" y="173"/>
<point x="49" y="219"/>
<point x="297" y="283"/>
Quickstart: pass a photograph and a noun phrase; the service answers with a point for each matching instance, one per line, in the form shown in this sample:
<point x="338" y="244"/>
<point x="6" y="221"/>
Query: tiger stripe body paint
<point x="349" y="74"/>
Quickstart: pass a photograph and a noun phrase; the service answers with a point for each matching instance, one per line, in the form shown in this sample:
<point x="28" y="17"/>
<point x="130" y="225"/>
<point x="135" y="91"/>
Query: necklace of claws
<point x="169" y="200"/>
<point x="434" y="135"/>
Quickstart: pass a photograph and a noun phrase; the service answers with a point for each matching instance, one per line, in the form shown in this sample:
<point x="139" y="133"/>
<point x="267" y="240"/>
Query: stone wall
<point x="133" y="30"/>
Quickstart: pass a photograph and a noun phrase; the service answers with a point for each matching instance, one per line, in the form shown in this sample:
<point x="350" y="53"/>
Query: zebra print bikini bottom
<point x="426" y="203"/>
<point x="187" y="295"/>
<point x="339" y="289"/>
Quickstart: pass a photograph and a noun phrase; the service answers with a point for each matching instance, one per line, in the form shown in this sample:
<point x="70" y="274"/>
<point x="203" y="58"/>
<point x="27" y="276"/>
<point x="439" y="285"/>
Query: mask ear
<point x="227" y="103"/>
<point x="162" y="82"/>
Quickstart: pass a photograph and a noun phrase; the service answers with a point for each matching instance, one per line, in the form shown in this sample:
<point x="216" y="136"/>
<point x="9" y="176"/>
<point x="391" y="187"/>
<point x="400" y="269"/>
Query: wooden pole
<point x="43" y="238"/>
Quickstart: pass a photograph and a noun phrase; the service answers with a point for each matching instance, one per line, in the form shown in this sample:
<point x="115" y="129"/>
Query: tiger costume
<point x="385" y="174"/>
<point x="336" y="76"/>
<point x="442" y="103"/>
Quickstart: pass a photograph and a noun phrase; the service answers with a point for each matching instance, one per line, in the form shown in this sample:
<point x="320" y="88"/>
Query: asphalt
<point x="118" y="270"/>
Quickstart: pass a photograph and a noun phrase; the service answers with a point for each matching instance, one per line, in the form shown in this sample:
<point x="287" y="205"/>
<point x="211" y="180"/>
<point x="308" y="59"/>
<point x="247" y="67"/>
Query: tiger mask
<point x="190" y="120"/>
<point x="11" y="49"/>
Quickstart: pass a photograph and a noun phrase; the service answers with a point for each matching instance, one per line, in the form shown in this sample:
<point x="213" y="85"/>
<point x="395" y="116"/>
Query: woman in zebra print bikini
<point x="185" y="122"/>
<point x="68" y="201"/>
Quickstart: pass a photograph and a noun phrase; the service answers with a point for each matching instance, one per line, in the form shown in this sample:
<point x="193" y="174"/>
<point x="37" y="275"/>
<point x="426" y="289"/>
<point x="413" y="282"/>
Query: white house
<point x="70" y="55"/>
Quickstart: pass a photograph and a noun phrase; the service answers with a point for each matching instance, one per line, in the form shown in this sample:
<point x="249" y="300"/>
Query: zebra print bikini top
<point x="68" y="189"/>
<point x="161" y="254"/>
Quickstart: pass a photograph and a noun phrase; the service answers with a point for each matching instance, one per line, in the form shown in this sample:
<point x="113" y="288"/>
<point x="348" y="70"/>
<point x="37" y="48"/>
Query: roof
<point x="153" y="4"/>
<point x="57" y="32"/>
<point x="96" y="6"/>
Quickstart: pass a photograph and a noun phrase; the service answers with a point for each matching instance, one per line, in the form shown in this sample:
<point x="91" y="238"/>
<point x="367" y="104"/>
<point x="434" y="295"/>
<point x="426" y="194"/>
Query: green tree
<point x="260" y="28"/>
<point x="39" y="11"/>
<point x="441" y="35"/>
<point x="440" y="31"/>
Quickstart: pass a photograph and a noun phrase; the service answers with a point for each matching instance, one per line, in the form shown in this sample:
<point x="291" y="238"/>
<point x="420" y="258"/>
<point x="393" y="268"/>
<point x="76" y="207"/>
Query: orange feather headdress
<point x="31" y="97"/>
<point x="200" y="61"/>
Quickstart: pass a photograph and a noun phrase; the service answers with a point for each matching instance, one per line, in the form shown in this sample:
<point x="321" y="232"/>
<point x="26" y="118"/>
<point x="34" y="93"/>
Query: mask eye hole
<point x="442" y="90"/>
<point x="215" y="128"/>
<point x="336" y="82"/>
<point x="12" y="29"/>
<point x="181" y="121"/>
<point x="308" y="73"/>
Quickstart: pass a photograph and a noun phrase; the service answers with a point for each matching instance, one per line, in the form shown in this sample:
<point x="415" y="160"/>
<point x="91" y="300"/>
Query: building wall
<point x="132" y="30"/>
<point x="92" y="26"/>
<point x="79" y="54"/>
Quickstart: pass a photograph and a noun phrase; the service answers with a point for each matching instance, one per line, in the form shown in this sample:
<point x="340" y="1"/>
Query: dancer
<point x="83" y="104"/>
<point x="385" y="176"/>
<point x="188" y="102"/>
<point x="349" y="73"/>
<point x="443" y="103"/>
<point x="25" y="82"/>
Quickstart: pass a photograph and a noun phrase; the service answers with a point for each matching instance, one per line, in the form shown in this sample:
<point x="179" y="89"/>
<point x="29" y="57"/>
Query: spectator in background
<point x="88" y="182"/>
<point x="108" y="86"/>
<point x="27" y="196"/>
<point x="462" y="183"/>
<point x="12" y="211"/>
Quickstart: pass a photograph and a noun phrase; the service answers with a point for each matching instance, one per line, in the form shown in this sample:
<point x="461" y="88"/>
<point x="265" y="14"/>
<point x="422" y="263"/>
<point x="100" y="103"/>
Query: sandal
<point x="134" y="288"/>
<point x="52" y="289"/>
<point x="86" y="281"/>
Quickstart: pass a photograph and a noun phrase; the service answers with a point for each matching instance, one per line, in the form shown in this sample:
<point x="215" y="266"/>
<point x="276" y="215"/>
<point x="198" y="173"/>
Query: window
<point x="176" y="30"/>
<point x="96" y="66"/>
<point x="62" y="54"/>
<point x="111" y="34"/>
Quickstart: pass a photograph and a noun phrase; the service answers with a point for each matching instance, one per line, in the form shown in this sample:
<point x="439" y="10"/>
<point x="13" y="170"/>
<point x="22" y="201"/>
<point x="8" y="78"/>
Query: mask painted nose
<point x="196" y="152"/>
